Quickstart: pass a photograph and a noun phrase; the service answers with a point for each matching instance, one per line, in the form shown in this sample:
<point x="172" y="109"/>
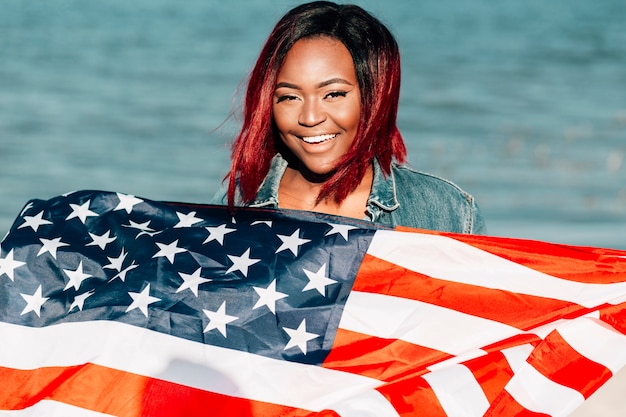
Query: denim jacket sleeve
<point x="424" y="201"/>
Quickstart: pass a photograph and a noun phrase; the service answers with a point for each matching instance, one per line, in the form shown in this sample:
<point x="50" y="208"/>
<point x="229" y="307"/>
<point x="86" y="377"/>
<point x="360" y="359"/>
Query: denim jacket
<point x="404" y="198"/>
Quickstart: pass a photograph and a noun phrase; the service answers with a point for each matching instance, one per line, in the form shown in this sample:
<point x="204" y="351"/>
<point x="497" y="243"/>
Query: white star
<point x="299" y="337"/>
<point x="122" y="274"/>
<point x="25" y="209"/>
<point x="82" y="212"/>
<point x="268" y="297"/>
<point x="340" y="229"/>
<point x="218" y="233"/>
<point x="34" y="221"/>
<point x="292" y="242"/>
<point x="51" y="246"/>
<point x="241" y="263"/>
<point x="79" y="300"/>
<point x="34" y="302"/>
<point x="268" y="223"/>
<point x="187" y="220"/>
<point x="142" y="300"/>
<point x="8" y="265"/>
<point x="116" y="263"/>
<point x="142" y="227"/>
<point x="102" y="240"/>
<point x="76" y="277"/>
<point x="192" y="281"/>
<point x="127" y="202"/>
<point x="318" y="281"/>
<point x="169" y="251"/>
<point x="218" y="319"/>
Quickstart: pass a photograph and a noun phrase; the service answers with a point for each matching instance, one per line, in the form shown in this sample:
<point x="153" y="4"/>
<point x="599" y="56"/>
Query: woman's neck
<point x="298" y="192"/>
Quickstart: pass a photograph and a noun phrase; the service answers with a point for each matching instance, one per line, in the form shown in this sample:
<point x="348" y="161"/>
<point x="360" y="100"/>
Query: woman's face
<point x="317" y="102"/>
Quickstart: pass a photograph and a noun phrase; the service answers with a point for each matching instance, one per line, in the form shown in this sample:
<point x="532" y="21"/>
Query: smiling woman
<point x="319" y="128"/>
<point x="316" y="110"/>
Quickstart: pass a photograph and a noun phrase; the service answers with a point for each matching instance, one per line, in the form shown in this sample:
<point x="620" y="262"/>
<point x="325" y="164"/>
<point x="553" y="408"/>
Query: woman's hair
<point x="377" y="64"/>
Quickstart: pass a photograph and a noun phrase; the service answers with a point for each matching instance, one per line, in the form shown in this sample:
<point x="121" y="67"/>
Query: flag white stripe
<point x="447" y="258"/>
<point x="368" y="404"/>
<point x="49" y="408"/>
<point x="458" y="392"/>
<point x="597" y="341"/>
<point x="144" y="352"/>
<point x="516" y="356"/>
<point x="420" y="323"/>
<point x="535" y="392"/>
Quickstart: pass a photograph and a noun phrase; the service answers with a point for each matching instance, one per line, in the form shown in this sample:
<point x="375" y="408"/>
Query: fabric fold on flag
<point x="116" y="305"/>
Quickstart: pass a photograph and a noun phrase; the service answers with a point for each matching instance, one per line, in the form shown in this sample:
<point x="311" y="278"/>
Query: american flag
<point x="116" y="305"/>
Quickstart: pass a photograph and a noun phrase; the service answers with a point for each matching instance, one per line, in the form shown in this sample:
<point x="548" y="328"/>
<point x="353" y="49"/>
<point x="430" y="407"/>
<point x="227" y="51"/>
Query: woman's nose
<point x="311" y="114"/>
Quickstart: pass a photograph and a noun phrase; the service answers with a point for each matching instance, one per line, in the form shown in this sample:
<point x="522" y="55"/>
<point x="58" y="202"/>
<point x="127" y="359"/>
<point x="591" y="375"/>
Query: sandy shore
<point x="608" y="401"/>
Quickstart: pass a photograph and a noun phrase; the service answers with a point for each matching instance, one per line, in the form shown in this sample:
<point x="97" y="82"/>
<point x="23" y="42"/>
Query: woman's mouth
<point x="318" y="139"/>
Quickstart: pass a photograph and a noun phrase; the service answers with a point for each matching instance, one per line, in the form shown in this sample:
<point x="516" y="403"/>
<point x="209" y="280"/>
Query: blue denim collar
<point x="382" y="195"/>
<point x="383" y="192"/>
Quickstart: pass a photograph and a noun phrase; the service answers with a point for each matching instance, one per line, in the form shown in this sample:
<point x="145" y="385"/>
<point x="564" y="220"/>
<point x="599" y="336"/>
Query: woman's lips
<point x="318" y="139"/>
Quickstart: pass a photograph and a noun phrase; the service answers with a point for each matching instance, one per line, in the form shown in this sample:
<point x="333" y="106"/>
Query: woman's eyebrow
<point x="320" y="85"/>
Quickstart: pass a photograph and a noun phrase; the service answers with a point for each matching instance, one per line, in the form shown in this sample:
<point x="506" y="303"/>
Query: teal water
<point x="520" y="103"/>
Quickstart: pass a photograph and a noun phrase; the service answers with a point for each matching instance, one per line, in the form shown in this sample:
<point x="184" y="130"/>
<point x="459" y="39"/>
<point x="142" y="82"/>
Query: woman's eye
<point x="285" y="98"/>
<point x="336" y="94"/>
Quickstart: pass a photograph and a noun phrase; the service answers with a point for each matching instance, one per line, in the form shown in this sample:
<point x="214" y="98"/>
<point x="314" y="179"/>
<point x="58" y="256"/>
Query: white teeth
<point x="318" y="139"/>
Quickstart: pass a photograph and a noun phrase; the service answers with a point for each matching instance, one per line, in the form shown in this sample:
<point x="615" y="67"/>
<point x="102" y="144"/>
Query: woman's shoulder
<point x="411" y="180"/>
<point x="430" y="201"/>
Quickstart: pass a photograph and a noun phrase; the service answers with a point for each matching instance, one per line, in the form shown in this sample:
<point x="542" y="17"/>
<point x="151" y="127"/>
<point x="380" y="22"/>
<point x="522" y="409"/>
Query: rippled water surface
<point x="520" y="103"/>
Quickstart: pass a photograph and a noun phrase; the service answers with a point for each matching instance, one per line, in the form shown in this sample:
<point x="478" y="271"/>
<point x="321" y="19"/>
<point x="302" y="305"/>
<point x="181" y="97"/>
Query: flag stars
<point x="76" y="277"/>
<point x="79" y="300"/>
<point x="192" y="281"/>
<point x="34" y="221"/>
<point x="8" y="265"/>
<point x="127" y="202"/>
<point x="268" y="297"/>
<point x="122" y="274"/>
<point x="268" y="223"/>
<point x="218" y="319"/>
<point x="318" y="280"/>
<point x="81" y="212"/>
<point x="340" y="229"/>
<point x="51" y="246"/>
<point x="34" y="302"/>
<point x="169" y="251"/>
<point x="299" y="337"/>
<point x="242" y="263"/>
<point x="144" y="228"/>
<point x="101" y="240"/>
<point x="292" y="242"/>
<point x="116" y="263"/>
<point x="187" y="220"/>
<point x="142" y="300"/>
<point x="217" y="233"/>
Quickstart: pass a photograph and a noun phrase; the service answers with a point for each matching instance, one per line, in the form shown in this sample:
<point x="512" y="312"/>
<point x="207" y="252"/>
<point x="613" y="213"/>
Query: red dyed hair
<point x="377" y="64"/>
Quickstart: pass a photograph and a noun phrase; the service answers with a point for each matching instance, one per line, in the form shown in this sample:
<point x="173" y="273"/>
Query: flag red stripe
<point x="126" y="394"/>
<point x="559" y="362"/>
<point x="507" y="406"/>
<point x="413" y="397"/>
<point x="615" y="316"/>
<point x="517" y="310"/>
<point x="581" y="264"/>
<point x="379" y="358"/>
<point x="492" y="372"/>
<point x="517" y="340"/>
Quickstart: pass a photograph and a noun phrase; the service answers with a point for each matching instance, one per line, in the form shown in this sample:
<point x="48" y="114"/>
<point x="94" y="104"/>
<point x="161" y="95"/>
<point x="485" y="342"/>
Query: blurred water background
<point x="522" y="103"/>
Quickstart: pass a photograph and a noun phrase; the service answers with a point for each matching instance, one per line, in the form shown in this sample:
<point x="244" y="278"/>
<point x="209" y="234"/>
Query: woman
<point x="319" y="130"/>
